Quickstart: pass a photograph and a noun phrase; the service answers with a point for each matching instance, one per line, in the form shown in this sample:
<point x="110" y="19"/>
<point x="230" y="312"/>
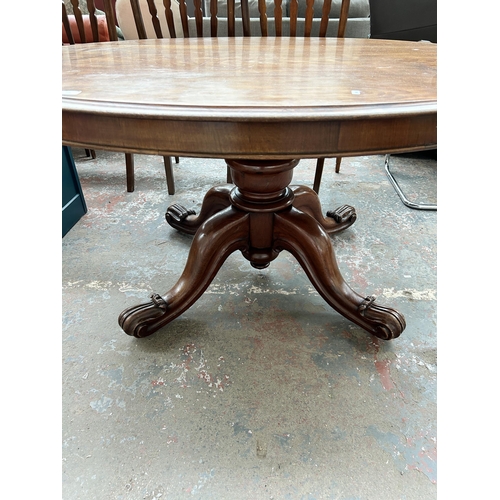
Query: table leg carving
<point x="186" y="221"/>
<point x="304" y="237"/>
<point x="261" y="216"/>
<point x="335" y="221"/>
<point x="216" y="239"/>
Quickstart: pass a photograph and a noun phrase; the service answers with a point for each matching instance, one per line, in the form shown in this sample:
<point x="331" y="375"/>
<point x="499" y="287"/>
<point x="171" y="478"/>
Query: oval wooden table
<point x="262" y="104"/>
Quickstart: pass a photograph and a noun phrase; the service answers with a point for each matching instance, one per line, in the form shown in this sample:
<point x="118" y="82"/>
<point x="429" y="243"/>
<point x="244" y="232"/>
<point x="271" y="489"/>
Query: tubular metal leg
<point x="404" y="199"/>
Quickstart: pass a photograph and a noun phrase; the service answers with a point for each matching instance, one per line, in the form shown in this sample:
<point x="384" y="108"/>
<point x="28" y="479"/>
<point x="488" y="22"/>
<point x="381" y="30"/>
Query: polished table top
<point x="212" y="93"/>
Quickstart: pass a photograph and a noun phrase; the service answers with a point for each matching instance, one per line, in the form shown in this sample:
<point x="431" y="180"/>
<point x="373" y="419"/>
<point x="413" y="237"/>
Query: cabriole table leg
<point x="261" y="216"/>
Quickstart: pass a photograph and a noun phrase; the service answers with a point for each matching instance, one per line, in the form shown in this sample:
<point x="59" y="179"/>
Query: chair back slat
<point x="309" y="17"/>
<point x="110" y="20"/>
<point x="139" y="21"/>
<point x="154" y="18"/>
<point x="245" y="17"/>
<point x="278" y="17"/>
<point x="67" y="27"/>
<point x="230" y="18"/>
<point x="294" y="12"/>
<point x="213" y="18"/>
<point x="325" y="15"/>
<point x="79" y="20"/>
<point x="263" y="17"/>
<point x="344" y="11"/>
<point x="169" y="17"/>
<point x="184" y="18"/>
<point x="198" y="15"/>
<point x="93" y="20"/>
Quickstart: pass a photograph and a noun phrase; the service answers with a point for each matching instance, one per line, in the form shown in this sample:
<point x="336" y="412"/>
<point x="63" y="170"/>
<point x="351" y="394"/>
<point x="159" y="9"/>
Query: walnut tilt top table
<point x="262" y="104"/>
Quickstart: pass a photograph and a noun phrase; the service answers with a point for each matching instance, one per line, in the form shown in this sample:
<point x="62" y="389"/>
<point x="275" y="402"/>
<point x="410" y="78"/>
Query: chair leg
<point x="228" y="176"/>
<point x="129" y="165"/>
<point x="169" y="172"/>
<point x="319" y="172"/>
<point x="404" y="199"/>
<point x="176" y="159"/>
<point x="337" y="164"/>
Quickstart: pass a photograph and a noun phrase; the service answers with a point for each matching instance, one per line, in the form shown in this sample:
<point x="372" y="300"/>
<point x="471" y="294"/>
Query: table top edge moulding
<point x="233" y="114"/>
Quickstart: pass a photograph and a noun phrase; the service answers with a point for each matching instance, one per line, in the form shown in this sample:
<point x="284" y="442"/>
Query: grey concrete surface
<point x="260" y="390"/>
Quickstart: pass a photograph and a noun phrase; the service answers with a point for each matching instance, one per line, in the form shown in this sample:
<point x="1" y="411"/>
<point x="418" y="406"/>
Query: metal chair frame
<point x="404" y="199"/>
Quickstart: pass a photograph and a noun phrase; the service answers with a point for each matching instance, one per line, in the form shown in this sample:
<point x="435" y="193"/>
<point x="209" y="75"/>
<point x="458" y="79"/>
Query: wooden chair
<point x="140" y="19"/>
<point x="86" y="25"/>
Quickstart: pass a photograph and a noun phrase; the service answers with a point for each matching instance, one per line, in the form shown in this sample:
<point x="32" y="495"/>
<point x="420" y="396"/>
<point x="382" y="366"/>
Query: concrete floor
<point x="260" y="390"/>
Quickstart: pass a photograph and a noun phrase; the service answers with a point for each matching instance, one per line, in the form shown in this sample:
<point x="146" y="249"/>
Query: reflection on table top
<point x="278" y="78"/>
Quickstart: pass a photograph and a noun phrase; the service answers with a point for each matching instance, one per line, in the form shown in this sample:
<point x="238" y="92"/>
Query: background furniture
<point x="244" y="19"/>
<point x="399" y="191"/>
<point x="412" y="20"/>
<point x="73" y="201"/>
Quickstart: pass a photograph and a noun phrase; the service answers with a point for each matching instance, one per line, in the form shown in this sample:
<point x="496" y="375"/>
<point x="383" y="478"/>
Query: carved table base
<point x="261" y="216"/>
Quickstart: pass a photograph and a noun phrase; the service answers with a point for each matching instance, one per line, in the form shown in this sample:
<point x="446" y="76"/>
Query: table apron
<point x="250" y="139"/>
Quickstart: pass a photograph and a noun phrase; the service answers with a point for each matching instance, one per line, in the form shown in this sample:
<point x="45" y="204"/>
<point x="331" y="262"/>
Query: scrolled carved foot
<point x="342" y="214"/>
<point x="142" y="320"/>
<point x="307" y="201"/>
<point x="186" y="221"/>
<point x="305" y="238"/>
<point x="177" y="215"/>
<point x="386" y="323"/>
<point x="217" y="238"/>
<point x="178" y="212"/>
